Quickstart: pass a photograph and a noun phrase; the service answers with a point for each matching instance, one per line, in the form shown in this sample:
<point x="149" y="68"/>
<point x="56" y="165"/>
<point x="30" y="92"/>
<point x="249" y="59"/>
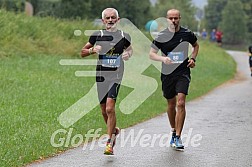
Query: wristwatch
<point x="193" y="59"/>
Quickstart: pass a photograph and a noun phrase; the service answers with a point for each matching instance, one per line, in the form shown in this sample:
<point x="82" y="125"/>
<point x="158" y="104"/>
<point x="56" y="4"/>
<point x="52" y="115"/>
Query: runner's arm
<point x="88" y="49"/>
<point x="127" y="53"/>
<point x="154" y="56"/>
<point x="194" y="54"/>
<point x="195" y="50"/>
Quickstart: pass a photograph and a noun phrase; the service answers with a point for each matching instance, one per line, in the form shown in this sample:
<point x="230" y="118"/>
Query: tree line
<point x="139" y="12"/>
<point x="234" y="17"/>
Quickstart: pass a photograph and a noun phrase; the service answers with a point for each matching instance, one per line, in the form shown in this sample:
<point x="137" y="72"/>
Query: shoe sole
<point x="179" y="149"/>
<point x="173" y="145"/>
<point x="176" y="148"/>
<point x="108" y="153"/>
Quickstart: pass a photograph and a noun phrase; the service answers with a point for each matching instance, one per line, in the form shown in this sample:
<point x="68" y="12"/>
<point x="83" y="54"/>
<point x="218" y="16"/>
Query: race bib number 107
<point x="110" y="61"/>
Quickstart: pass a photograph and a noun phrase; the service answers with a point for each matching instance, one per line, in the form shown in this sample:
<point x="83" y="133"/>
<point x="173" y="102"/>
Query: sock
<point x="109" y="141"/>
<point x="173" y="132"/>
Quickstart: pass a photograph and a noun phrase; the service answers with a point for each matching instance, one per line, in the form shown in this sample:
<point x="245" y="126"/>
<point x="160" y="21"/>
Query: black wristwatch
<point x="193" y="59"/>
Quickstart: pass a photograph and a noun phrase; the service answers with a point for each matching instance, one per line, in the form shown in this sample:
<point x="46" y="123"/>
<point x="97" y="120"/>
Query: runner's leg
<point x="111" y="121"/>
<point x="171" y="111"/>
<point x="181" y="113"/>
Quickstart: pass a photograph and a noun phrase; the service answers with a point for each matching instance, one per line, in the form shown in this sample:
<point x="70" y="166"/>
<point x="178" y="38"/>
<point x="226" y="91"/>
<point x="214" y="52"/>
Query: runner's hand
<point x="191" y="63"/>
<point x="125" y="55"/>
<point x="166" y="60"/>
<point x="97" y="49"/>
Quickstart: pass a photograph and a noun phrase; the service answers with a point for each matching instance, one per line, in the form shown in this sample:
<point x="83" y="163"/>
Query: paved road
<point x="217" y="132"/>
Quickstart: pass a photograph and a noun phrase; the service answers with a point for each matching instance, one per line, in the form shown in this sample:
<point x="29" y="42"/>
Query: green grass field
<point x="36" y="89"/>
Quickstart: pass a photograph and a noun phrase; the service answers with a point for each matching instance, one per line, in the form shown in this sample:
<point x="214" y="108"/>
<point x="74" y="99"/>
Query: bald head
<point x="173" y="12"/>
<point x="173" y="17"/>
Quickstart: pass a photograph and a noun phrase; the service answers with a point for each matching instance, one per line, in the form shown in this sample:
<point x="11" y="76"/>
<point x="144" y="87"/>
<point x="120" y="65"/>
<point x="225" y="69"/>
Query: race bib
<point x="176" y="57"/>
<point x="110" y="61"/>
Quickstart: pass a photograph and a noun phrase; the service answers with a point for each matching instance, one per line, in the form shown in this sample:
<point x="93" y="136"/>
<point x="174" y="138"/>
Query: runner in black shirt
<point x="113" y="46"/>
<point x="173" y="43"/>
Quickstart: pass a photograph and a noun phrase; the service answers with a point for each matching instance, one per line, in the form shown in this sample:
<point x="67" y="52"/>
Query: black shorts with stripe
<point x="107" y="90"/>
<point x="108" y="84"/>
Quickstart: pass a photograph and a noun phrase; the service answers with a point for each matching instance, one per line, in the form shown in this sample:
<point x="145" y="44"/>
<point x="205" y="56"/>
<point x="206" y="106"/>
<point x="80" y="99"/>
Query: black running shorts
<point x="112" y="90"/>
<point x="172" y="85"/>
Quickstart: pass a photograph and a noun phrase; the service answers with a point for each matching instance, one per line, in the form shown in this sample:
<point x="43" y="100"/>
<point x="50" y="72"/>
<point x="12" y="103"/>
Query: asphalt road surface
<point x="217" y="132"/>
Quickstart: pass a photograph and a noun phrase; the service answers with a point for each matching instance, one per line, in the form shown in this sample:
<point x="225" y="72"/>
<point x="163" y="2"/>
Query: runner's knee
<point x="172" y="106"/>
<point x="110" y="110"/>
<point x="181" y="103"/>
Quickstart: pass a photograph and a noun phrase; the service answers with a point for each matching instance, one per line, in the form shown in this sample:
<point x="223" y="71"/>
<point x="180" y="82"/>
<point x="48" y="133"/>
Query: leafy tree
<point x="247" y="7"/>
<point x="74" y="9"/>
<point x="35" y="5"/>
<point x="213" y="13"/>
<point x="139" y="12"/>
<point x="99" y="5"/>
<point x="234" y="27"/>
<point x="13" y="5"/>
<point x="45" y="7"/>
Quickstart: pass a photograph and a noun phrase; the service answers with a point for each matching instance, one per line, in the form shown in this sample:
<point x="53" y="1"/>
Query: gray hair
<point x="103" y="12"/>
